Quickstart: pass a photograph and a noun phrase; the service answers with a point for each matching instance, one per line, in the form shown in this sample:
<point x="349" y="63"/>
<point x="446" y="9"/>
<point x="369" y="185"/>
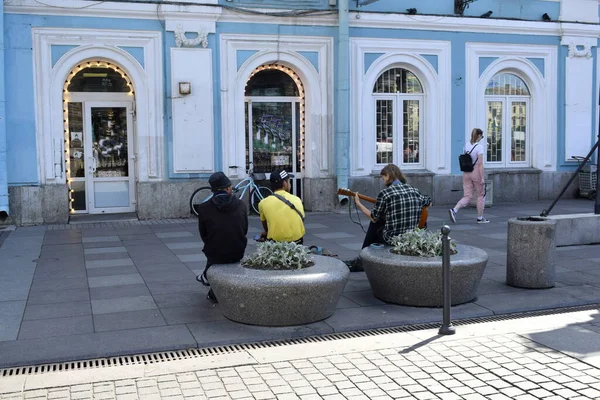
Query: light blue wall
<point x="311" y="56"/>
<point x="3" y="143"/>
<point x="22" y="164"/>
<point x="136" y="52"/>
<point x="514" y="9"/>
<point x="370" y="59"/>
<point x="282" y="4"/>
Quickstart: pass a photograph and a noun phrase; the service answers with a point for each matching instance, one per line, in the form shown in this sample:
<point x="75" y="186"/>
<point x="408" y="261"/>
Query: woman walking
<point x="474" y="180"/>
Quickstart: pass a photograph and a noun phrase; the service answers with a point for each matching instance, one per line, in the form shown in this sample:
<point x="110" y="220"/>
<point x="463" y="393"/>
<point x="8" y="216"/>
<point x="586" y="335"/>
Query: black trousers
<point x="374" y="234"/>
<point x="209" y="262"/>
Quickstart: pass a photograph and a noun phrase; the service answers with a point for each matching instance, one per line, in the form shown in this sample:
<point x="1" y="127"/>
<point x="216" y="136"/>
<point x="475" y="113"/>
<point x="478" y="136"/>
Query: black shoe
<point x="355" y="265"/>
<point x="211" y="296"/>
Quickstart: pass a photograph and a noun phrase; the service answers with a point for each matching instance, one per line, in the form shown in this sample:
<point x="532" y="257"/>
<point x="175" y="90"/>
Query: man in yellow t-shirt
<point x="282" y="214"/>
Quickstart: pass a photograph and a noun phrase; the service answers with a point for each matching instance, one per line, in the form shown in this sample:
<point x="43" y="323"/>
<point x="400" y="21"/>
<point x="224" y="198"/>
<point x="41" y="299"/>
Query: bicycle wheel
<point x="198" y="197"/>
<point x="258" y="195"/>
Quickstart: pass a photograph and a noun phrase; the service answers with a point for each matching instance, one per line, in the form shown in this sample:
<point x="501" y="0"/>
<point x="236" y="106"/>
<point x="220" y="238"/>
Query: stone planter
<point x="417" y="281"/>
<point x="279" y="298"/>
<point x="530" y="253"/>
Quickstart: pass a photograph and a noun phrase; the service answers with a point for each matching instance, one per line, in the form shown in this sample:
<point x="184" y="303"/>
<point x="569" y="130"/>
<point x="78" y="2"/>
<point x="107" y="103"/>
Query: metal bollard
<point x="447" y="328"/>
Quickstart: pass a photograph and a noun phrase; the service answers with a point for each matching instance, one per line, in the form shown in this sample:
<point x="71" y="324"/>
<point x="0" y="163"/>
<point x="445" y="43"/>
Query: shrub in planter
<point x="420" y="243"/>
<point x="279" y="255"/>
<point x="280" y="284"/>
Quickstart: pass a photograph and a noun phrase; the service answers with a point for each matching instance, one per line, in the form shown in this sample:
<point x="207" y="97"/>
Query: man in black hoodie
<point x="223" y="225"/>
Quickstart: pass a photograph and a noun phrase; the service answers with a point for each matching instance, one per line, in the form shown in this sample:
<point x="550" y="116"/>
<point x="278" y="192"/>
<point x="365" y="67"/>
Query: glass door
<point x="272" y="127"/>
<point x="108" y="157"/>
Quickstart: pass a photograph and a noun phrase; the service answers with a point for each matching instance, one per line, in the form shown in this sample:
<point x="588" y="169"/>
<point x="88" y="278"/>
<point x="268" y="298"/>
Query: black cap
<point x="219" y="180"/>
<point x="279" y="175"/>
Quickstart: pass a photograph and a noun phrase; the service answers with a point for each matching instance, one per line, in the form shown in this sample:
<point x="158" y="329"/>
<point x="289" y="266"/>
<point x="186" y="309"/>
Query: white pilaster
<point x="579" y="69"/>
<point x="579" y="11"/>
<point x="193" y="133"/>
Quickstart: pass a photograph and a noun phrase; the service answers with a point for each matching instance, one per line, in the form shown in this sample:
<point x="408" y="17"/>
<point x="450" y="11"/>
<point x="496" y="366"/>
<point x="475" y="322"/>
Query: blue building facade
<point x="128" y="106"/>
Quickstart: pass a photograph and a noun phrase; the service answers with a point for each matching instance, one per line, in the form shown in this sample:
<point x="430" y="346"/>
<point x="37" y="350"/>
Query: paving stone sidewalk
<point x="70" y="292"/>
<point x="497" y="366"/>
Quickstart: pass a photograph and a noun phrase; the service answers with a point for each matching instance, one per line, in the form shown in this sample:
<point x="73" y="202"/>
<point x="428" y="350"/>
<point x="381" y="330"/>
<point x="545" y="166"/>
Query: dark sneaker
<point x="355" y="265"/>
<point x="211" y="296"/>
<point x="483" y="221"/>
<point x="452" y="215"/>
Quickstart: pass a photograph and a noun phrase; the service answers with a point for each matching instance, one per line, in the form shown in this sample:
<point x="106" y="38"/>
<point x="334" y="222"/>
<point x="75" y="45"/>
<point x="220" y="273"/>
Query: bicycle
<point x="257" y="193"/>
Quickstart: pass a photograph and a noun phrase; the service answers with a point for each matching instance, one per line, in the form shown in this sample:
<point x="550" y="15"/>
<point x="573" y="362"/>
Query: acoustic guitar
<point x="424" y="211"/>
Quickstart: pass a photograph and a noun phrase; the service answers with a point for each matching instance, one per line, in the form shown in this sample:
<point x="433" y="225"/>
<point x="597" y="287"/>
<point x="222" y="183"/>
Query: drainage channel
<point x="164" y="356"/>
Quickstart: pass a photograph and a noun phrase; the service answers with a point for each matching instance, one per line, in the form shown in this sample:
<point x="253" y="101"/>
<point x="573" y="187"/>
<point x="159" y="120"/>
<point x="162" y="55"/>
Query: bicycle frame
<point x="244" y="185"/>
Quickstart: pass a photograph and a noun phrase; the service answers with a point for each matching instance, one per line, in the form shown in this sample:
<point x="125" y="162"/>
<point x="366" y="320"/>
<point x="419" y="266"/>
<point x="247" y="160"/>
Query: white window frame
<point x="507" y="101"/>
<point x="543" y="103"/>
<point x="436" y="106"/>
<point x="398" y="133"/>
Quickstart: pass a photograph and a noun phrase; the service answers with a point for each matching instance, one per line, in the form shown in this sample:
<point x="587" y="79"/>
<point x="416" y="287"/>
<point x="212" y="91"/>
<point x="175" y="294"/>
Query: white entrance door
<point x="273" y="125"/>
<point x="109" y="157"/>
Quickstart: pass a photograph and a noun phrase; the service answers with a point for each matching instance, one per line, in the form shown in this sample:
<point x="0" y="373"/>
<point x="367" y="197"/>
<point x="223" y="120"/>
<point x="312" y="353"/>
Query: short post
<point x="447" y="328"/>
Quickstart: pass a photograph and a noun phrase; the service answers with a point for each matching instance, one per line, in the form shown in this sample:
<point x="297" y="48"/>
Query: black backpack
<point x="465" y="161"/>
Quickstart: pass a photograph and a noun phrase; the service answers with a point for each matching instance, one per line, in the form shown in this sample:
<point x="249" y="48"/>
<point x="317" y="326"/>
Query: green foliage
<point x="279" y="255"/>
<point x="420" y="243"/>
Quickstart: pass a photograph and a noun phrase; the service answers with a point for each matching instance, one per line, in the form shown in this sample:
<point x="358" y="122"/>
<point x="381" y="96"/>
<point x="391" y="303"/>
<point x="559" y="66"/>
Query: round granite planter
<point x="417" y="281"/>
<point x="279" y="298"/>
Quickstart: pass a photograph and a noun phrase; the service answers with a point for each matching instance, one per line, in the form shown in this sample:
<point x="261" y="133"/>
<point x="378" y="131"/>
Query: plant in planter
<point x="421" y="243"/>
<point x="280" y="284"/>
<point x="279" y="255"/>
<point x="410" y="272"/>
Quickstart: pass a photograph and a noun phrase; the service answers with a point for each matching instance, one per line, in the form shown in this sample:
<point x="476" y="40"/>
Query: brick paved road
<point x="490" y="366"/>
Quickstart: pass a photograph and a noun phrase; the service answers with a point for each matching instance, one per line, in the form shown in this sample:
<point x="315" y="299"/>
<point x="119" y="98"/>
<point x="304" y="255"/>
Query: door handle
<point x="93" y="164"/>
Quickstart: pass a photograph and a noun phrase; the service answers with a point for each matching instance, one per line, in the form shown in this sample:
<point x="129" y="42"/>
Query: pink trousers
<point x="472" y="181"/>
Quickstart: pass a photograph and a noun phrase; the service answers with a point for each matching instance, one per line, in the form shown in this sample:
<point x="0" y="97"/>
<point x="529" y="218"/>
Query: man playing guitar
<point x="397" y="209"/>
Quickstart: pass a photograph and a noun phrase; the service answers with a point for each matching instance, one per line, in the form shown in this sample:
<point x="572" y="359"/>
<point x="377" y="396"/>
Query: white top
<point x="478" y="152"/>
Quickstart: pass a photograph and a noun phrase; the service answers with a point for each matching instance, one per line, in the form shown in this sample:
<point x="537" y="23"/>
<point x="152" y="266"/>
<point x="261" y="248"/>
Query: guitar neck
<point x="346" y="192"/>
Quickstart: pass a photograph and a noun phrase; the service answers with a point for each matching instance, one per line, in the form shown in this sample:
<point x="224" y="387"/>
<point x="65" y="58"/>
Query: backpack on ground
<point x="465" y="161"/>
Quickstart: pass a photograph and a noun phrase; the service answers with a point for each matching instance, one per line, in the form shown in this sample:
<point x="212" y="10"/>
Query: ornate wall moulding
<point x="583" y="50"/>
<point x="183" y="41"/>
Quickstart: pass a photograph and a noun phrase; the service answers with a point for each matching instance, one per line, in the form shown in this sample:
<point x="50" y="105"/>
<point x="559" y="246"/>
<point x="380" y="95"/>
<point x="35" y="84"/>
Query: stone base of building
<point x="48" y="204"/>
<point x="520" y="185"/>
<point x="35" y="205"/>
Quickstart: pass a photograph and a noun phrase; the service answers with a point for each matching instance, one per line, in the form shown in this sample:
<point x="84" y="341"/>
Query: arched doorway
<point x="274" y="120"/>
<point x="98" y="108"/>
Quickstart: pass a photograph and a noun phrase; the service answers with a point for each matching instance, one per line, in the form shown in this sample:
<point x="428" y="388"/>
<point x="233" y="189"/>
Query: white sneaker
<point x="482" y="221"/>
<point x="452" y="214"/>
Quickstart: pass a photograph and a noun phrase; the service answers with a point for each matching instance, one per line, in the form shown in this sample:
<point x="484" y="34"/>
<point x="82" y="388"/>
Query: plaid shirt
<point x="399" y="205"/>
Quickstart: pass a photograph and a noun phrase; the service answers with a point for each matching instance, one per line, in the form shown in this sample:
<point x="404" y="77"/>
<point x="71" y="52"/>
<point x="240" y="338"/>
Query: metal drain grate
<point x="151" y="358"/>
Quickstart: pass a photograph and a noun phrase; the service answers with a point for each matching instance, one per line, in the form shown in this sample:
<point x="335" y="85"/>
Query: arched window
<point x="398" y="97"/>
<point x="507" y="103"/>
<point x="98" y="79"/>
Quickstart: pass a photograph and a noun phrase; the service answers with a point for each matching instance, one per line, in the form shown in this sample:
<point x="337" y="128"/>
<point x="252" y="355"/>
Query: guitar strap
<point x="289" y="203"/>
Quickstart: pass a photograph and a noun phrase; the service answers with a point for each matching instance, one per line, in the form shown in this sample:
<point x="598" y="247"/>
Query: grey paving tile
<point x="357" y="282"/>
<point x="100" y="239"/>
<point x="157" y="288"/>
<point x="59" y="284"/>
<point x="9" y="328"/>
<point x="128" y="320"/>
<point x="363" y="298"/>
<point x="167" y="275"/>
<point x="190" y="314"/>
<point x="119" y="262"/>
<point x="58" y="310"/>
<point x="334" y="235"/>
<point x="108" y="271"/>
<point x="181" y="299"/>
<point x="345" y="302"/>
<point x="117" y="292"/>
<point x="176" y="234"/>
<point x="191" y="257"/>
<point x="227" y="332"/>
<point x="46" y="328"/>
<point x="95" y="345"/>
<point x="314" y="225"/>
<point x="115" y="280"/>
<point x="527" y="300"/>
<point x="105" y="250"/>
<point x="185" y="245"/>
<point x="58" y="296"/>
<point x="95" y="245"/>
<point x="123" y="304"/>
